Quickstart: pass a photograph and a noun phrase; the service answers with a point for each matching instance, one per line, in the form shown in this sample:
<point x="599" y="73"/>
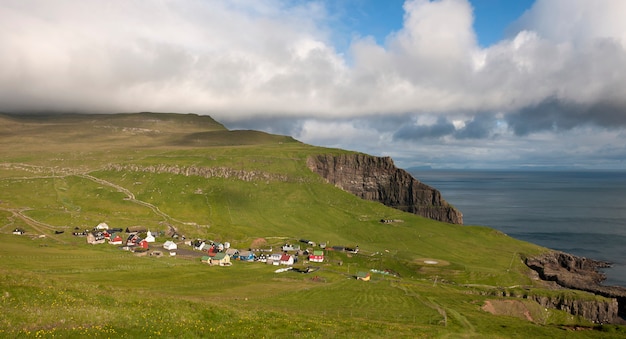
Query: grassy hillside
<point x="62" y="173"/>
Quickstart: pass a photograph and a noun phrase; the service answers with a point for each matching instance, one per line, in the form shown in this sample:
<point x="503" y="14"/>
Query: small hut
<point x="365" y="276"/>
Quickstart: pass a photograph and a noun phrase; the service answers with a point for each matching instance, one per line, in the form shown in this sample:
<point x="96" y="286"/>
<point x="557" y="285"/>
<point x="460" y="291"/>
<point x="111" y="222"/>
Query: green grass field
<point x="143" y="171"/>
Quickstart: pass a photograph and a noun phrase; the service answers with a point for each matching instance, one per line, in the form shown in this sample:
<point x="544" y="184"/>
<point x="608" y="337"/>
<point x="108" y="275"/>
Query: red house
<point x="143" y="244"/>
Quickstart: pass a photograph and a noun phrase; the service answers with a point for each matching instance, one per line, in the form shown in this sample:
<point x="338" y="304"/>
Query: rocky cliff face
<point x="378" y="179"/>
<point x="581" y="274"/>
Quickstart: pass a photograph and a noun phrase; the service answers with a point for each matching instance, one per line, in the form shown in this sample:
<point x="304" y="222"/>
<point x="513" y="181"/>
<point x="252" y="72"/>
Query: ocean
<point x="582" y="213"/>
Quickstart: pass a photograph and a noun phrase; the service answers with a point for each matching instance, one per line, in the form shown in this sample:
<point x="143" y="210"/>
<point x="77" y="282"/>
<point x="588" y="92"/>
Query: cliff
<point x="378" y="179"/>
<point x="580" y="273"/>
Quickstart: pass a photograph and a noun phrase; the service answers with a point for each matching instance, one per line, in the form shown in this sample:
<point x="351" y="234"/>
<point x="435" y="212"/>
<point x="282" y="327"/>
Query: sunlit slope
<point x="193" y="175"/>
<point x="207" y="182"/>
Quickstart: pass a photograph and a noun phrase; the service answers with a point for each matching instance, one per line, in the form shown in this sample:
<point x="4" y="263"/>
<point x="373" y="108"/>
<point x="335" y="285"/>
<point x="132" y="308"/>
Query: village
<point x="143" y="242"/>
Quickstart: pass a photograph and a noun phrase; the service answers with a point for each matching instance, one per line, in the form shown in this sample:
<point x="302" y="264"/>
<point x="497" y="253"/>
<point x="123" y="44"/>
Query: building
<point x="170" y="245"/>
<point x="95" y="238"/>
<point x="117" y="240"/>
<point x="317" y="256"/>
<point x="102" y="226"/>
<point x="365" y="276"/>
<point x="287" y="259"/>
<point x="220" y="259"/>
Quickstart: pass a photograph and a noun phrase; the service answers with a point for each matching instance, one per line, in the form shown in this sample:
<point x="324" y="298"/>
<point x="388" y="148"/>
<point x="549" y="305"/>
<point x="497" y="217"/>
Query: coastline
<point x="580" y="273"/>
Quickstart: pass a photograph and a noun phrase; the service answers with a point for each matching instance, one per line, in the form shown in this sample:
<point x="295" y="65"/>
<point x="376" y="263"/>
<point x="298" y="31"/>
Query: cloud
<point x="273" y="65"/>
<point x="557" y="115"/>
<point x="415" y="132"/>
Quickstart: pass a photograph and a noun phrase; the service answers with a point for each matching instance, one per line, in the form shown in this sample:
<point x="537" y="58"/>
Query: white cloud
<point x="562" y="70"/>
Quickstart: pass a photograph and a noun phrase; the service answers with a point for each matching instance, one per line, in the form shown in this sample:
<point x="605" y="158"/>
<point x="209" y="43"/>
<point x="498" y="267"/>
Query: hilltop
<point x="190" y="174"/>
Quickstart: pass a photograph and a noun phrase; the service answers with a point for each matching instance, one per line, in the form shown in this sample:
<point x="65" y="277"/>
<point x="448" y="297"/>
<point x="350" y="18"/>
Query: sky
<point x="431" y="83"/>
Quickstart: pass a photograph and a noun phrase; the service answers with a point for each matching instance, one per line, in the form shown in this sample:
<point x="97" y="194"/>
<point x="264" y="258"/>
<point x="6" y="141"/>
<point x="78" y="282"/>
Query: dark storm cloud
<point x="417" y="132"/>
<point x="558" y="115"/>
<point x="479" y="127"/>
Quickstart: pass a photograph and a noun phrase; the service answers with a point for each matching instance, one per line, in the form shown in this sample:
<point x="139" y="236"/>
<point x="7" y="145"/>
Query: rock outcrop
<point x="580" y="273"/>
<point x="205" y="172"/>
<point x="378" y="179"/>
<point x="597" y="311"/>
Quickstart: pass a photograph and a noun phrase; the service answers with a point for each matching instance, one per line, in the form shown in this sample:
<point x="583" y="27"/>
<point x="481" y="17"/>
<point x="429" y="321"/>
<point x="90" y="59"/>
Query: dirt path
<point x="36" y="225"/>
<point x="50" y="172"/>
<point x="131" y="197"/>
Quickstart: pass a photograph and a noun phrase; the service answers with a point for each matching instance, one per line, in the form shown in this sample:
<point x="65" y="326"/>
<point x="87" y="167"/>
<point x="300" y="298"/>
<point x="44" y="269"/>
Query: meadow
<point x="74" y="173"/>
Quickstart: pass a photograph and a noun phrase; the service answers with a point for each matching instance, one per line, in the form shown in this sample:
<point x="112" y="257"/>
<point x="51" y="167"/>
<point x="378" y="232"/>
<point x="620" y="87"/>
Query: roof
<point x="219" y="256"/>
<point x="362" y="274"/>
<point x="317" y="253"/>
<point x="285" y="257"/>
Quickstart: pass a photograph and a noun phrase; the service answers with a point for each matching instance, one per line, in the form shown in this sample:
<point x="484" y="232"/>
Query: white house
<point x="286" y="259"/>
<point x="289" y="247"/>
<point x="274" y="259"/>
<point x="149" y="237"/>
<point x="102" y="226"/>
<point x="170" y="245"/>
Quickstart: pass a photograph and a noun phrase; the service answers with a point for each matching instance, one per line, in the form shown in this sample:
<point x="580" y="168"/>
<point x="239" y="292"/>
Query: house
<point x="205" y="259"/>
<point x="274" y="259"/>
<point x="133" y="239"/>
<point x="95" y="238"/>
<point x="150" y="237"/>
<point x="170" y="245"/>
<point x="117" y="240"/>
<point x="102" y="226"/>
<point x="317" y="256"/>
<point x="212" y="251"/>
<point x="352" y="249"/>
<point x="288" y="247"/>
<point x="136" y="229"/>
<point x="262" y="258"/>
<point x="199" y="245"/>
<point x="220" y="259"/>
<point x="365" y="276"/>
<point x="233" y="253"/>
<point x="286" y="259"/>
<point x="18" y="231"/>
<point x="246" y="256"/>
<point x="143" y="244"/>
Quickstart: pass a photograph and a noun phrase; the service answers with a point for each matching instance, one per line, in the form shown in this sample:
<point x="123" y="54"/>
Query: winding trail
<point x="53" y="172"/>
<point x="36" y="225"/>
<point x="131" y="197"/>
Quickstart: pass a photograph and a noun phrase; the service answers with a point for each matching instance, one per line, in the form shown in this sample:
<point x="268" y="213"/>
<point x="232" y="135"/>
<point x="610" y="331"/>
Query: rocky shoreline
<point x="579" y="273"/>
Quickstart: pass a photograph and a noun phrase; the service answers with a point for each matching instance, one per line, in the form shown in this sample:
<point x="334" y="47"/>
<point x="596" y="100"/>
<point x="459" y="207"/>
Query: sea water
<point x="582" y="213"/>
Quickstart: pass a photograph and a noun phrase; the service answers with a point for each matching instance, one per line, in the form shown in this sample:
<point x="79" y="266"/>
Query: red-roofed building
<point x="286" y="259"/>
<point x="317" y="256"/>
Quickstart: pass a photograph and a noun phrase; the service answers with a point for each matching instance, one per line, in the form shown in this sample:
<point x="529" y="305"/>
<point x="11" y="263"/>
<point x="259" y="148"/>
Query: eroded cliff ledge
<point x="378" y="179"/>
<point x="580" y="273"/>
